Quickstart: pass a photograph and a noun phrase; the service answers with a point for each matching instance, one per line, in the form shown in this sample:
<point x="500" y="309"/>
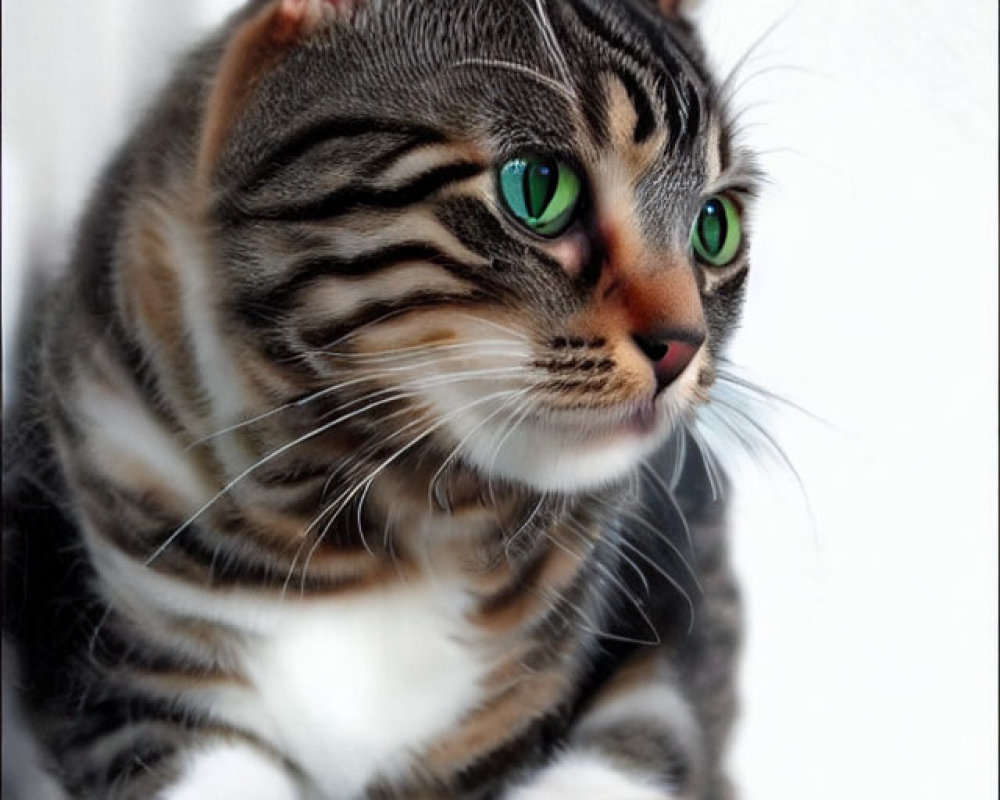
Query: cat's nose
<point x="669" y="352"/>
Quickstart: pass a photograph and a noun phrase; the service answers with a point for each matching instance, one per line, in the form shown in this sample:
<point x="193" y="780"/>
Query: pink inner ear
<point x="297" y="18"/>
<point x="670" y="7"/>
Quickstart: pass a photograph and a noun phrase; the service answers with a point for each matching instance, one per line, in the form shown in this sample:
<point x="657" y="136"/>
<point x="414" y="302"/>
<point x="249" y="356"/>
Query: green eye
<point x="542" y="193"/>
<point x="718" y="231"/>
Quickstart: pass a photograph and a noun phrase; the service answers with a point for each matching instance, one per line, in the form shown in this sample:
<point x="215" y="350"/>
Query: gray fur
<point x="523" y="77"/>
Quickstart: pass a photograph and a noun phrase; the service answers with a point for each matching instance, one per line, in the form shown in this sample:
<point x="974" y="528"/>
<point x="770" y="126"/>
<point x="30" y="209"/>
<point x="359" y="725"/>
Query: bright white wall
<point x="871" y="662"/>
<point x="872" y="656"/>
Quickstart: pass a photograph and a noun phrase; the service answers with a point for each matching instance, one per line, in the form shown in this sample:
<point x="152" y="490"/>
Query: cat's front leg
<point x="637" y="740"/>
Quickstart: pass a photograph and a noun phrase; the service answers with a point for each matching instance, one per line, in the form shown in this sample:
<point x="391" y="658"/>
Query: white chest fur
<point x="350" y="688"/>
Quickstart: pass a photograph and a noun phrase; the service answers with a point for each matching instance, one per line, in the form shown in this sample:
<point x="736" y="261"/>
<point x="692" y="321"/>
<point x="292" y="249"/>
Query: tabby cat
<point x="353" y="457"/>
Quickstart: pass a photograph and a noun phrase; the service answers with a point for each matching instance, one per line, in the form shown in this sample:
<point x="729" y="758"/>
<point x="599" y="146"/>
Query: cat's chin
<point x="567" y="456"/>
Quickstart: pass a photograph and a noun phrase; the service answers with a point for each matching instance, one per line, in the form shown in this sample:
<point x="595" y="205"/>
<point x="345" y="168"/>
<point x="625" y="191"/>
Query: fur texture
<point x="328" y="469"/>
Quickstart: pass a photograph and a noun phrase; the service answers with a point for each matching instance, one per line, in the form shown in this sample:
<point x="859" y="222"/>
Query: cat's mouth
<point x="573" y="450"/>
<point x="595" y="424"/>
<point x="568" y="439"/>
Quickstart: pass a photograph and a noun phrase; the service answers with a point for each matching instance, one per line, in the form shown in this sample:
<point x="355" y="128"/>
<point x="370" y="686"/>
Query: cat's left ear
<point x="254" y="47"/>
<point x="675" y="8"/>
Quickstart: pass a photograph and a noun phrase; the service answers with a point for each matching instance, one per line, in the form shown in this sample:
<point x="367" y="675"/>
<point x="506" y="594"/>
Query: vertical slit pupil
<point x="712" y="227"/>
<point x="541" y="178"/>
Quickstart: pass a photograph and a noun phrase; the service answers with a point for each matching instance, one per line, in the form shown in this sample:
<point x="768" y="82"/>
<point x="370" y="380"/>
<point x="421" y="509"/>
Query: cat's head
<point x="510" y="232"/>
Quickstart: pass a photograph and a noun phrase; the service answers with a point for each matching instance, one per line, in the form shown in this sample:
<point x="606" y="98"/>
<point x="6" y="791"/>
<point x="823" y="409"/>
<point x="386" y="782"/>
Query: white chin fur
<point x="552" y="460"/>
<point x="550" y="456"/>
<point x="549" y="462"/>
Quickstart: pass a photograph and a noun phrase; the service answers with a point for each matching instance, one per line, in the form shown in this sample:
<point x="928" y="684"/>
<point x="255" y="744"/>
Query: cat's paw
<point x="586" y="776"/>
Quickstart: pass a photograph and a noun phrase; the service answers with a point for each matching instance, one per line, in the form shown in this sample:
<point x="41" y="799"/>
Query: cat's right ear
<point x="256" y="46"/>
<point x="293" y="20"/>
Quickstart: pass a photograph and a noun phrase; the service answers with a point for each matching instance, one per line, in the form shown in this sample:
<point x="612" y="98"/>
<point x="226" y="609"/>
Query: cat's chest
<point x="349" y="689"/>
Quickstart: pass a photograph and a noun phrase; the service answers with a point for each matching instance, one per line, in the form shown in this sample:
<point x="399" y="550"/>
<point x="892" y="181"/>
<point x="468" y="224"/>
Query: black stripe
<point x="599" y="27"/>
<point x="657" y="38"/>
<point x="694" y="117"/>
<point x="306" y="139"/>
<point x="625" y="49"/>
<point x="115" y="645"/>
<point x="651" y="27"/>
<point x="385" y="310"/>
<point x="592" y="366"/>
<point x="282" y="296"/>
<point x="683" y="44"/>
<point x="111" y="711"/>
<point x="142" y="759"/>
<point x="656" y="33"/>
<point x="226" y="554"/>
<point x="476" y="227"/>
<point x="674" y="118"/>
<point x="571" y="385"/>
<point x="232" y="564"/>
<point x="535" y="738"/>
<point x="293" y="475"/>
<point x="125" y="346"/>
<point x="352" y="198"/>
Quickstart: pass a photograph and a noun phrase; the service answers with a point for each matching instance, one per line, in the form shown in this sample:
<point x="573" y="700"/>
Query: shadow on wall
<point x="76" y="78"/>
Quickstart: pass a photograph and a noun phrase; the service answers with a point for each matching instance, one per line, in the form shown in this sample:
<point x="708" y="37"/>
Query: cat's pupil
<point x="540" y="183"/>
<point x="712" y="227"/>
<point x="541" y="192"/>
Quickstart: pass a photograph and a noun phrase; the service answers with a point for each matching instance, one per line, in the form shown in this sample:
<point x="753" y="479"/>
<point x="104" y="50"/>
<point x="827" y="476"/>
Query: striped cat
<point x="353" y="456"/>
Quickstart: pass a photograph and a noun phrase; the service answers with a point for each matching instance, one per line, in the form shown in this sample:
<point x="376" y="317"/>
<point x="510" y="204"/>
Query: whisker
<point x="727" y="87"/>
<point x="494" y="324"/>
<point x="614" y="541"/>
<point x="495" y="63"/>
<point x="667" y="577"/>
<point x="708" y="461"/>
<point x="645" y="523"/>
<point x="421" y="349"/>
<point x="302" y="401"/>
<point x="668" y="495"/>
<point x="663" y="537"/>
<point x="616" y="582"/>
<point x="680" y="454"/>
<point x="734" y="379"/>
<point x="454" y="452"/>
<point x="541" y="16"/>
<point x="775" y="449"/>
<point x="510" y="539"/>
<point x="514" y="423"/>
<point x="339" y="503"/>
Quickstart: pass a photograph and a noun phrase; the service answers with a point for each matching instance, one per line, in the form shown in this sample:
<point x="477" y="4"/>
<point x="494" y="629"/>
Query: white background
<point x="871" y="664"/>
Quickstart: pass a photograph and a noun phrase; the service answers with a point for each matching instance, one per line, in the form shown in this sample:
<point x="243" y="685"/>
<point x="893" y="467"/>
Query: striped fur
<point x="327" y="471"/>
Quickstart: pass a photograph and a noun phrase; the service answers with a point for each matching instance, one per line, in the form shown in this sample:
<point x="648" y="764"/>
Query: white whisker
<point x="495" y="63"/>
<point x="458" y="447"/>
<point x="668" y="495"/>
<point x="382" y="374"/>
<point x="340" y="502"/>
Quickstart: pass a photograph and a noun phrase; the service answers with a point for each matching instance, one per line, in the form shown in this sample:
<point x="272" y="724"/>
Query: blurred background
<point x="870" y="667"/>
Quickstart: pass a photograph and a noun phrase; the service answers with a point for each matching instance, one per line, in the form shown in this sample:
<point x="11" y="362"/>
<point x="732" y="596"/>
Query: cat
<point x="354" y="455"/>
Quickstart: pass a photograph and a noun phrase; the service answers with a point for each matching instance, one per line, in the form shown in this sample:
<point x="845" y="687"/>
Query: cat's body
<point x="336" y="473"/>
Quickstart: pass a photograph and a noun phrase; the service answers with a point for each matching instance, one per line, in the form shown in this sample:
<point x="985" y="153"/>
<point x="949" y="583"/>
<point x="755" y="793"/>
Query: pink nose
<point x="669" y="352"/>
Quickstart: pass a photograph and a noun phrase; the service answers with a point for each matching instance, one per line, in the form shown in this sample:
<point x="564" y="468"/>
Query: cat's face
<point x="511" y="232"/>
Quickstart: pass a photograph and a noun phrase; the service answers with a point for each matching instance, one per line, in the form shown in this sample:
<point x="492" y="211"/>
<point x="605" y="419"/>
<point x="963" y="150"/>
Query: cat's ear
<point x="257" y="45"/>
<point x="293" y="20"/>
<point x="675" y="8"/>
